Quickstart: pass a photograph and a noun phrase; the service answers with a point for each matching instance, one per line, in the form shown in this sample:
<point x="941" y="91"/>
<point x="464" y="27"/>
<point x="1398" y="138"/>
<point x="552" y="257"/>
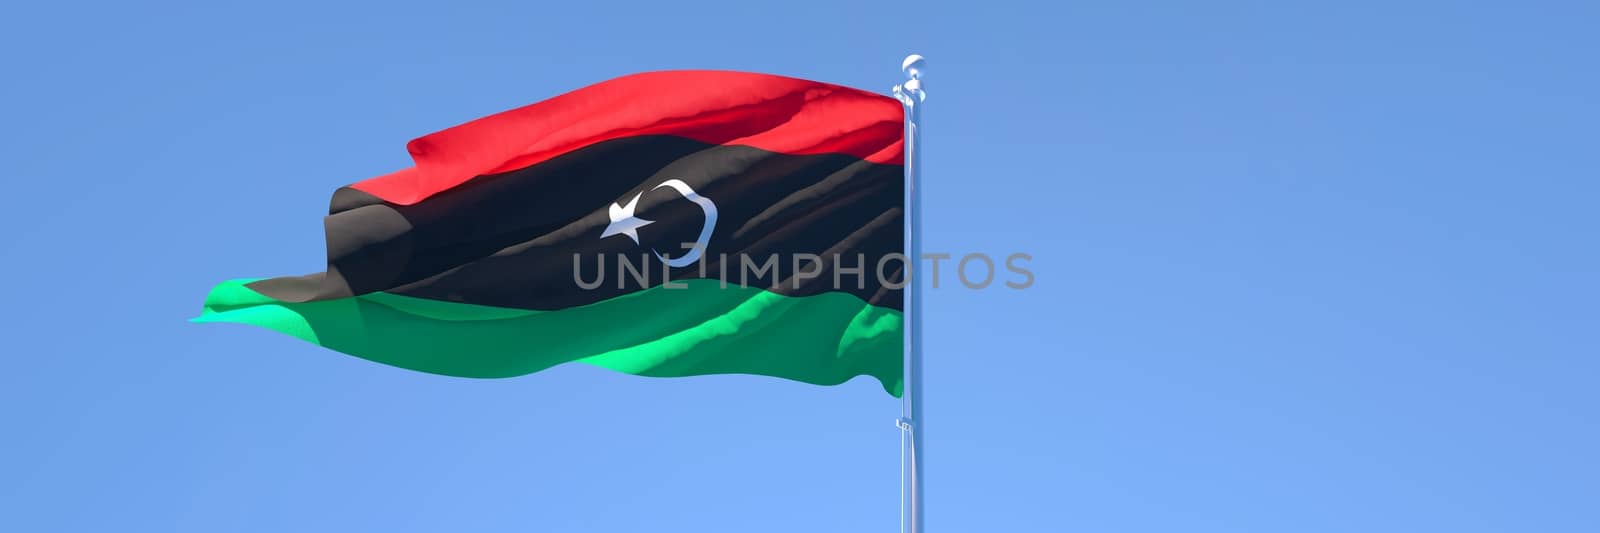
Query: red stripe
<point x="763" y="111"/>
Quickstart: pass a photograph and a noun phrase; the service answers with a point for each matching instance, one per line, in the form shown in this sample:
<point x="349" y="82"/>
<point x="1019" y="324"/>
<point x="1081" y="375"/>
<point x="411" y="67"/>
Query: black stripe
<point x="509" y="240"/>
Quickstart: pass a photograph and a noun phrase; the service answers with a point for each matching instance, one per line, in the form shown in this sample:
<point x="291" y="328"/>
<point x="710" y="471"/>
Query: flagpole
<point x="912" y="419"/>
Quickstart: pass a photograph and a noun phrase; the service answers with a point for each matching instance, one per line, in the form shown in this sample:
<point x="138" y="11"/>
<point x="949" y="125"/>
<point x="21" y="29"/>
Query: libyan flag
<point x="661" y="224"/>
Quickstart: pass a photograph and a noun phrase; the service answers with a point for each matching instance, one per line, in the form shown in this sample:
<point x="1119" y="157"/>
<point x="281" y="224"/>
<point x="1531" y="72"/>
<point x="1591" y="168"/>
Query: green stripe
<point x="700" y="329"/>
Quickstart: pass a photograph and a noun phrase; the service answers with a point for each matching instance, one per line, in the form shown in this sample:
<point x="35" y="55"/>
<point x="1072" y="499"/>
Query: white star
<point x="623" y="221"/>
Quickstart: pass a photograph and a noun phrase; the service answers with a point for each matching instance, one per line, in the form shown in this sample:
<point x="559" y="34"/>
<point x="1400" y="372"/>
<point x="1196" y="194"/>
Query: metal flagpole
<point x="912" y="420"/>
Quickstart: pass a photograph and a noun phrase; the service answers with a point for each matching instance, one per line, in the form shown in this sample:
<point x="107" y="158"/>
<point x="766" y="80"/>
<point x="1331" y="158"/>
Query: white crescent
<point x="710" y="210"/>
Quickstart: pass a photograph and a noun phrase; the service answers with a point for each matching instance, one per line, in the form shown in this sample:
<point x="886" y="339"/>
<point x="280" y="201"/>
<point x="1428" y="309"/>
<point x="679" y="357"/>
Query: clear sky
<point x="1298" y="269"/>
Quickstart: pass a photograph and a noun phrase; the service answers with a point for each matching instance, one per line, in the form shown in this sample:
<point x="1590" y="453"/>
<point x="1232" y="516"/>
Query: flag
<point x="662" y="224"/>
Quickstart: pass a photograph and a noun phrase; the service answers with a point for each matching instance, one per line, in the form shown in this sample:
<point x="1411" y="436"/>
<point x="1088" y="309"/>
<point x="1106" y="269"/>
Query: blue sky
<point x="1314" y="268"/>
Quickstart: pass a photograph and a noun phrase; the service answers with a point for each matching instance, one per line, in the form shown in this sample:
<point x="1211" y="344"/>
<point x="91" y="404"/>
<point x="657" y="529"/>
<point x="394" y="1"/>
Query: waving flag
<point x="661" y="224"/>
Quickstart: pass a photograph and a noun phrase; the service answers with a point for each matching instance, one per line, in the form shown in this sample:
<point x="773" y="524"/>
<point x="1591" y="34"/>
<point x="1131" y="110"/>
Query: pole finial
<point x="913" y="66"/>
<point x="911" y="92"/>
